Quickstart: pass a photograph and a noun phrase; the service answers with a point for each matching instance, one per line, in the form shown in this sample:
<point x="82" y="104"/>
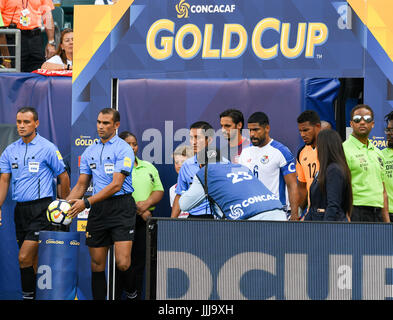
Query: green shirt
<point x="145" y="180"/>
<point x="367" y="172"/>
<point x="388" y="157"/>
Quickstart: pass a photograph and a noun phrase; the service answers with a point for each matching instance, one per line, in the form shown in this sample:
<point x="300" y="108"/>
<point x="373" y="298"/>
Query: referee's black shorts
<point x="30" y="218"/>
<point x="110" y="221"/>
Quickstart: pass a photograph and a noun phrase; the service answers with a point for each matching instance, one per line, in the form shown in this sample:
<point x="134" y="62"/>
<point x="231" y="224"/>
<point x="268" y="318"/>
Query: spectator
<point x="307" y="164"/>
<point x="388" y="155"/>
<point x="148" y="191"/>
<point x="181" y="154"/>
<point x="366" y="164"/>
<point x="330" y="191"/>
<point x="232" y="123"/>
<point x="62" y="60"/>
<point x="28" y="16"/>
<point x="271" y="162"/>
<point x="232" y="190"/>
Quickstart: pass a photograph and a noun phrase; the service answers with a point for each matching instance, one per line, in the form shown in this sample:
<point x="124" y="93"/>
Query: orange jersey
<point x="11" y="11"/>
<point x="307" y="165"/>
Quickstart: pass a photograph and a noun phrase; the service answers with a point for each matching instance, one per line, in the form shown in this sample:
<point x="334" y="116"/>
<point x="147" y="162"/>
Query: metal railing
<point x="16" y="44"/>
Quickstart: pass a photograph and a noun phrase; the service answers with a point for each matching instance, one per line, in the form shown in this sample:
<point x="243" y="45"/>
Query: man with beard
<point x="232" y="122"/>
<point x="370" y="202"/>
<point x="307" y="164"/>
<point x="388" y="155"/>
<point x="271" y="162"/>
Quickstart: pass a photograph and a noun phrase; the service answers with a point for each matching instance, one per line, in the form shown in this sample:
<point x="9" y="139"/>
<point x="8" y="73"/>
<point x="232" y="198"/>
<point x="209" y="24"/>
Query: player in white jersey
<point x="272" y="162"/>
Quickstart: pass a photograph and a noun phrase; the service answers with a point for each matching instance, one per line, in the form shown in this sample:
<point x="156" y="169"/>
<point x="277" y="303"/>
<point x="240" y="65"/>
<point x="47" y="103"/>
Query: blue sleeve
<point x="5" y="166"/>
<point x="193" y="197"/>
<point x="55" y="160"/>
<point x="290" y="167"/>
<point x="289" y="164"/>
<point x="84" y="167"/>
<point x="182" y="183"/>
<point x="125" y="159"/>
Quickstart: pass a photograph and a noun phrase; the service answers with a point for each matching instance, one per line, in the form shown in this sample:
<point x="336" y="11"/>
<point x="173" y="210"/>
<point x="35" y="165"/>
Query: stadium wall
<point x="236" y="260"/>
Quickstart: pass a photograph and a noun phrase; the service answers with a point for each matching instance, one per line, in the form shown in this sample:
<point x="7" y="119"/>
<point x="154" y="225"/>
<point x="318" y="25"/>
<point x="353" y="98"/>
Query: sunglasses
<point x="366" y="118"/>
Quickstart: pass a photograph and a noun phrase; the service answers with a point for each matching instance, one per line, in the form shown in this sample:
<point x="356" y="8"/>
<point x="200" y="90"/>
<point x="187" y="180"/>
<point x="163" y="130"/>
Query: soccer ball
<point x="57" y="212"/>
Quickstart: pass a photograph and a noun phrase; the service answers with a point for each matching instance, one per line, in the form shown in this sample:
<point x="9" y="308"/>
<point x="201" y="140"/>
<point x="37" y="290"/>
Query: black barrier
<point x="256" y="260"/>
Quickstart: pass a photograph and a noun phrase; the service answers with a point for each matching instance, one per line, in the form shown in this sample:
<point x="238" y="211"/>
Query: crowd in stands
<point x="30" y="17"/>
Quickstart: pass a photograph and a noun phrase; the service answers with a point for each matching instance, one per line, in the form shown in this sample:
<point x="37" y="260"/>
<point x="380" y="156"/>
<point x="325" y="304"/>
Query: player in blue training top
<point x="201" y="135"/>
<point x="108" y="163"/>
<point x="31" y="164"/>
<point x="271" y="162"/>
<point x="233" y="192"/>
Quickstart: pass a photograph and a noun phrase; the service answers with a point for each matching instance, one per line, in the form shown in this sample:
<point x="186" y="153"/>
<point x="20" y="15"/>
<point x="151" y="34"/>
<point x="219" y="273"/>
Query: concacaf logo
<point x="182" y="9"/>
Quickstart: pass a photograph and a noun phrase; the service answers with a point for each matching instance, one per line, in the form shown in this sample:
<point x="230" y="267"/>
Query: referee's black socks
<point x="28" y="280"/>
<point x="98" y="285"/>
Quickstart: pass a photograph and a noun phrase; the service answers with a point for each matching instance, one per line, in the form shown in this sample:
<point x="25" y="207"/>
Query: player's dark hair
<point x="29" y="109"/>
<point x="235" y="115"/>
<point x="310" y="116"/>
<point x="389" y="117"/>
<point x="330" y="150"/>
<point x="208" y="129"/>
<point x="125" y="134"/>
<point x="115" y="114"/>
<point x="259" y="117"/>
<point x="361" y="106"/>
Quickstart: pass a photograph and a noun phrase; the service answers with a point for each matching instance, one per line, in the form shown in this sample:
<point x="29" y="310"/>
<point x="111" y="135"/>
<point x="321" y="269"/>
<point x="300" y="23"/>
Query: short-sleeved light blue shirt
<point x="33" y="167"/>
<point x="102" y="160"/>
<point x="186" y="175"/>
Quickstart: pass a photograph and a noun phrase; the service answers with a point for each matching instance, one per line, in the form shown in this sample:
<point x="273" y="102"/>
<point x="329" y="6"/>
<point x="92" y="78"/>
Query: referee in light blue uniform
<point x="185" y="179"/>
<point x="108" y="163"/>
<point x="201" y="135"/>
<point x="30" y="164"/>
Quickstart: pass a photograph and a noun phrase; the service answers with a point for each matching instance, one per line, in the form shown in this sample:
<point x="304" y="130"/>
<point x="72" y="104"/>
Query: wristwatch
<point x="87" y="203"/>
<point x="52" y="42"/>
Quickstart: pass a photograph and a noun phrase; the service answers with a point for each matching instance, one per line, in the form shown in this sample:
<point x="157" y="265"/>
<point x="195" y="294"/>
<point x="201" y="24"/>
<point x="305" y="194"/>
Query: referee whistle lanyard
<point x="206" y="189"/>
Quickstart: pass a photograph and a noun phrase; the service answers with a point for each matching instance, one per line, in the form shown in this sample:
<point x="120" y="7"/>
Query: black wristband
<point x="87" y="203"/>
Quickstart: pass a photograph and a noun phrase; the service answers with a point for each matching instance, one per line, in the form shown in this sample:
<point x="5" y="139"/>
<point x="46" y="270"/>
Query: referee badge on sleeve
<point x="59" y="155"/>
<point x="127" y="162"/>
